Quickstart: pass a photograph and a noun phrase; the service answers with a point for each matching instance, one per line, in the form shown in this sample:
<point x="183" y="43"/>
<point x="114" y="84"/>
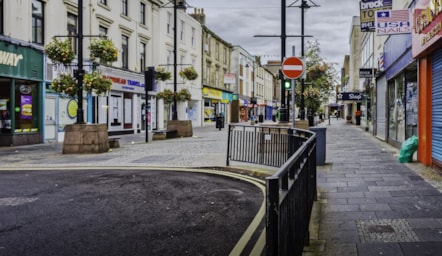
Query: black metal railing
<point x="263" y="145"/>
<point x="291" y="191"/>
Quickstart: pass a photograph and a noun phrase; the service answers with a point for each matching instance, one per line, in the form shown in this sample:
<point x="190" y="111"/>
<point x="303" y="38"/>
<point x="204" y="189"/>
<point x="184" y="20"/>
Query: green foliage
<point x="65" y="84"/>
<point x="162" y="74"/>
<point x="167" y="95"/>
<point x="189" y="73"/>
<point x="95" y="82"/>
<point x="103" y="49"/>
<point x="183" y="95"/>
<point x="60" y="51"/>
<point x="320" y="78"/>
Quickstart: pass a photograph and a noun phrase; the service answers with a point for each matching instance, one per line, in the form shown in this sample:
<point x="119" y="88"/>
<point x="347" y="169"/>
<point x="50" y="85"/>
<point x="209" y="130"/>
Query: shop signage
<point x="229" y="78"/>
<point x="20" y="61"/>
<point x="366" y="72"/>
<point x="368" y="10"/>
<point x="10" y="58"/>
<point x="392" y="22"/>
<point x="427" y="25"/>
<point x="356" y="96"/>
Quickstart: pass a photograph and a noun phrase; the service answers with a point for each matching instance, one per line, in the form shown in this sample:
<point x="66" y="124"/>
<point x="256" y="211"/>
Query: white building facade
<point x="142" y="31"/>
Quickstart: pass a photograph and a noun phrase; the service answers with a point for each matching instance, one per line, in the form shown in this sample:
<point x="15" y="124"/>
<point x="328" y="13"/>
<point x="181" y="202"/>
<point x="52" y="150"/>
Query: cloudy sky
<point x="238" y="21"/>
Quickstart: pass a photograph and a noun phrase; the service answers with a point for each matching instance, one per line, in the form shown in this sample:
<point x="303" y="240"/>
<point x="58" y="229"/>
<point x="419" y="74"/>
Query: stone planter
<point x="85" y="139"/>
<point x="183" y="127"/>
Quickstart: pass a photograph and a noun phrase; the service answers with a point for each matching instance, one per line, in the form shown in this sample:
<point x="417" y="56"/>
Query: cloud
<point x="239" y="21"/>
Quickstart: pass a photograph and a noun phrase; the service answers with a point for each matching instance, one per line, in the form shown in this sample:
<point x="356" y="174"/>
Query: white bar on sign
<point x="292" y="67"/>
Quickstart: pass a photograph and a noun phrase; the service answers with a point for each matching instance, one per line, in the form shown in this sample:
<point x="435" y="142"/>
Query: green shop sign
<point x="20" y="62"/>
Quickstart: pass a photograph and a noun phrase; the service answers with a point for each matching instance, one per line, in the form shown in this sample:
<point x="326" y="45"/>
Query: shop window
<point x="5" y="107"/>
<point x="127" y="111"/>
<point x="396" y="109"/>
<point x="116" y="112"/>
<point x="1" y="20"/>
<point x="26" y="107"/>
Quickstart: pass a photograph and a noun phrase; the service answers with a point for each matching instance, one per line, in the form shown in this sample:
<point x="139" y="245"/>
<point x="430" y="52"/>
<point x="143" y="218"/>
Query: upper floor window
<point x="207" y="44"/>
<point x="217" y="51"/>
<point x="225" y="55"/>
<point x="124" y="7"/>
<point x="102" y="31"/>
<point x="143" y="56"/>
<point x="143" y="13"/>
<point x="169" y="60"/>
<point x="37" y="21"/>
<point x="193" y="37"/>
<point x="182" y="30"/>
<point x="125" y="51"/>
<point x="72" y="29"/>
<point x="168" y="24"/>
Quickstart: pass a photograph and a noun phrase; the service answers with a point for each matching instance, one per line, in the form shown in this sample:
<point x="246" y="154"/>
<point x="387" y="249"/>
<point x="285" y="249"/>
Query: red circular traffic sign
<point x="292" y="67"/>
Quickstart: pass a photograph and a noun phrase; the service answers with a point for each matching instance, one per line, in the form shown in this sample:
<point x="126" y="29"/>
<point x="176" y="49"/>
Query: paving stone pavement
<point x="369" y="203"/>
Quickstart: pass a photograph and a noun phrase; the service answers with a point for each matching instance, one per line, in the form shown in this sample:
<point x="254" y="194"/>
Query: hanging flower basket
<point x="162" y="74"/>
<point x="60" y="51"/>
<point x="65" y="84"/>
<point x="189" y="73"/>
<point x="103" y="49"/>
<point x="183" y="95"/>
<point x="95" y="82"/>
<point x="316" y="71"/>
<point x="167" y="95"/>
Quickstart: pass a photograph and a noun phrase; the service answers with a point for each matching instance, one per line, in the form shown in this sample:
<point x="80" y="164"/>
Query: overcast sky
<point x="238" y="21"/>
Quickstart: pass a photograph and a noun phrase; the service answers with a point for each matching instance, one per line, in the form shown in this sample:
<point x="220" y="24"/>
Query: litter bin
<point x="219" y="122"/>
<point x="320" y="144"/>
<point x="261" y="118"/>
<point x="311" y="120"/>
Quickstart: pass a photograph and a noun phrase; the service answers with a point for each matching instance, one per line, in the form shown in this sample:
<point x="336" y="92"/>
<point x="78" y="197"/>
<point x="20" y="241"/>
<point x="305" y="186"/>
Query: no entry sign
<point x="292" y="67"/>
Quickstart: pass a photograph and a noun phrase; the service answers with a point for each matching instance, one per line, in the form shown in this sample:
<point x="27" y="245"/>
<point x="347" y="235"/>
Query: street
<point x="123" y="212"/>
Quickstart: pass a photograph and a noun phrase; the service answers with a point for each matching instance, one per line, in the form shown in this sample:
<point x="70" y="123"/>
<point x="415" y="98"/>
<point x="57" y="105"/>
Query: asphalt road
<point x="123" y="212"/>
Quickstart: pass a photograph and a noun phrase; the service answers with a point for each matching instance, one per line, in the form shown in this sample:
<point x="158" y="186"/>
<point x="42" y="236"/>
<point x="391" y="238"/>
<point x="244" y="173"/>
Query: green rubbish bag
<point x="407" y="150"/>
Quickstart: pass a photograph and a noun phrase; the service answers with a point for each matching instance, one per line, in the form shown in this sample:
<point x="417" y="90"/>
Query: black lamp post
<point x="304" y="5"/>
<point x="176" y="6"/>
<point x="80" y="72"/>
<point x="253" y="99"/>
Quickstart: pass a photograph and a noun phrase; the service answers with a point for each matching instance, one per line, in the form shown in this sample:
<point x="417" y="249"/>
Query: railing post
<point x="228" y="146"/>
<point x="291" y="144"/>
<point x="272" y="214"/>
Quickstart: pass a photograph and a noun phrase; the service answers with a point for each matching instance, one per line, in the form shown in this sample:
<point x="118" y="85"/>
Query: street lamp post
<point x="175" y="110"/>
<point x="304" y="5"/>
<point x="80" y="71"/>
<point x="253" y="99"/>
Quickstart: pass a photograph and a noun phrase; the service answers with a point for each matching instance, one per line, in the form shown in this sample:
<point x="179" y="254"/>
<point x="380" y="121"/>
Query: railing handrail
<point x="291" y="190"/>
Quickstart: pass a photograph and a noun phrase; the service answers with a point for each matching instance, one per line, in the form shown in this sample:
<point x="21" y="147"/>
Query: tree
<point x="320" y="78"/>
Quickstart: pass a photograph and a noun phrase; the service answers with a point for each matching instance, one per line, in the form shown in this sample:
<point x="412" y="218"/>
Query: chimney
<point x="198" y="14"/>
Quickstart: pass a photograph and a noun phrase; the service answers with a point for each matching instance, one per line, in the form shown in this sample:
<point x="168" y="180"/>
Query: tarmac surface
<point x="368" y="202"/>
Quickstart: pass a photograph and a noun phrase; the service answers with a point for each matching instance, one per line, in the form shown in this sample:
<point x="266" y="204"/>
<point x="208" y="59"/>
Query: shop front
<point x="216" y="102"/>
<point x="401" y="90"/>
<point x="426" y="48"/>
<point x="21" y="90"/>
<point x="125" y="109"/>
